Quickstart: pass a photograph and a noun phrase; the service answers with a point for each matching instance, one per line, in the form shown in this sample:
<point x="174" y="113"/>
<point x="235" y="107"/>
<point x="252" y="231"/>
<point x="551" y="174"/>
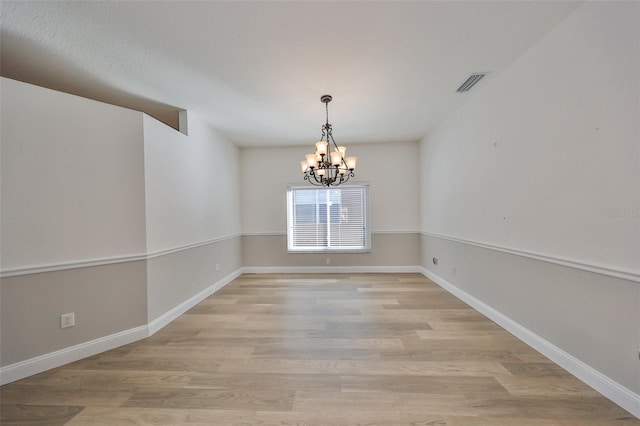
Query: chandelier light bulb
<point x="351" y="162"/>
<point x="321" y="148"/>
<point x="336" y="158"/>
<point x="311" y="160"/>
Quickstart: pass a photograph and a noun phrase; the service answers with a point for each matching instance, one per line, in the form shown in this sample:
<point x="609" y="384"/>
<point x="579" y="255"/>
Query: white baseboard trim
<point x="29" y="367"/>
<point x="164" y="319"/>
<point x="330" y="269"/>
<point x="45" y="362"/>
<point x="611" y="389"/>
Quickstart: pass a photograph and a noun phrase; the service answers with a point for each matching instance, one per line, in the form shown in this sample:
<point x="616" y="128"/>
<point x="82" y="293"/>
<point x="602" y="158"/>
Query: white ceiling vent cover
<point x="470" y="82"/>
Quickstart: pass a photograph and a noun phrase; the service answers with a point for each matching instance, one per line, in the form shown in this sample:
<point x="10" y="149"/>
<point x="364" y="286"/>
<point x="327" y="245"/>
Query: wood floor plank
<point x="374" y="326"/>
<point x="355" y="418"/>
<point x="99" y="416"/>
<point x="265" y="382"/>
<point x="535" y="369"/>
<point x="443" y="355"/>
<point x="311" y="309"/>
<point x="524" y="421"/>
<point x="464" y="334"/>
<point x="67" y="377"/>
<point x="275" y="324"/>
<point x="464" y="326"/>
<point x="31" y="414"/>
<point x="546" y="387"/>
<point x="193" y="320"/>
<point x="434" y="385"/>
<point x="272" y="400"/>
<point x="316" y="353"/>
<point x="444" y="404"/>
<point x="294" y="342"/>
<point x="150" y="365"/>
<point x="355" y="302"/>
<point x="408" y="368"/>
<point x="185" y="352"/>
<point x="450" y="342"/>
<point x="65" y="395"/>
<point x="317" y="349"/>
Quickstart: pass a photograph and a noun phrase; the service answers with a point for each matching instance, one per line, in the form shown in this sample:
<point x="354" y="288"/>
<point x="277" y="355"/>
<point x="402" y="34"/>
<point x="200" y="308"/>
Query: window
<point x="333" y="219"/>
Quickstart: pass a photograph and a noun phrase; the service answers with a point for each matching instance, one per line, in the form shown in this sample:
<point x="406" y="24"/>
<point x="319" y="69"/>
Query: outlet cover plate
<point x="67" y="320"/>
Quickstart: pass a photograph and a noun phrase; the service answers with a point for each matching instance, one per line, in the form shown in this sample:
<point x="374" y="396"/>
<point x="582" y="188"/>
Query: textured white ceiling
<point x="256" y="70"/>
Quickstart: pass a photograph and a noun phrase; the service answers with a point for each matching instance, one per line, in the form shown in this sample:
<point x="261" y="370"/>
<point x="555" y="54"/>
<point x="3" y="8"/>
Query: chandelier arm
<point x="313" y="181"/>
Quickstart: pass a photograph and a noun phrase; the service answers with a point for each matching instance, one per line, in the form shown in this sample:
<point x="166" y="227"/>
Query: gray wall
<point x="176" y="277"/>
<point x="588" y="315"/>
<point x="106" y="299"/>
<point x="388" y="251"/>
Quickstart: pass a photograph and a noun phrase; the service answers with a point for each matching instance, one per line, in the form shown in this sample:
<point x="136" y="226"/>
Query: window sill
<point x="316" y="251"/>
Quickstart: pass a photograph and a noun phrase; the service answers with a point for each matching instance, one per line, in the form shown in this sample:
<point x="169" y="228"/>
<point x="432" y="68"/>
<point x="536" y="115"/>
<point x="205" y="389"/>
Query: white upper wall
<point x="87" y="181"/>
<point x="192" y="185"/>
<point x="72" y="178"/>
<point x="391" y="170"/>
<point x="545" y="158"/>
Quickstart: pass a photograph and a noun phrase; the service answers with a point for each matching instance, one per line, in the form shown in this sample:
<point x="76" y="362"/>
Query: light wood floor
<point x="363" y="349"/>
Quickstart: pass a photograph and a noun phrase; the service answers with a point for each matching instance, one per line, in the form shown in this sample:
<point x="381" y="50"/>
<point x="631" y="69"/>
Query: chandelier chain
<point x="326" y="108"/>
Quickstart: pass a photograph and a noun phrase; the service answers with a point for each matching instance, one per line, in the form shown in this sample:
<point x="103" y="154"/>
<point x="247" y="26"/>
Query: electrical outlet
<point x="217" y="266"/>
<point x="328" y="261"/>
<point x="67" y="320"/>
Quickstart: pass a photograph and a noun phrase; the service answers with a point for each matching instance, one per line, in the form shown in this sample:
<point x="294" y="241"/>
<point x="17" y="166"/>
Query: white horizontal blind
<point x="321" y="219"/>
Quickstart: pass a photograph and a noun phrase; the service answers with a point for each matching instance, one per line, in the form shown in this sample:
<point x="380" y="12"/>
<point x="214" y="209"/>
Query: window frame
<point x="366" y="248"/>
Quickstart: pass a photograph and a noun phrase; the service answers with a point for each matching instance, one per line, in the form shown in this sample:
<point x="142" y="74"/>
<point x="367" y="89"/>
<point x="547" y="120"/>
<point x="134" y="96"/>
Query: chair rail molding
<point x="624" y="274"/>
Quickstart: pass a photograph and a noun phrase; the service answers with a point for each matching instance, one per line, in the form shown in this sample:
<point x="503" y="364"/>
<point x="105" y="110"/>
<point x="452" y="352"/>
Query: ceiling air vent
<point x="471" y="81"/>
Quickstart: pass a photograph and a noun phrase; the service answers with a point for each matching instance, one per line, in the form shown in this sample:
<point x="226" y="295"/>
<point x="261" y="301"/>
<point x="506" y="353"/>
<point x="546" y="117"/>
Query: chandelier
<point x="328" y="166"/>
